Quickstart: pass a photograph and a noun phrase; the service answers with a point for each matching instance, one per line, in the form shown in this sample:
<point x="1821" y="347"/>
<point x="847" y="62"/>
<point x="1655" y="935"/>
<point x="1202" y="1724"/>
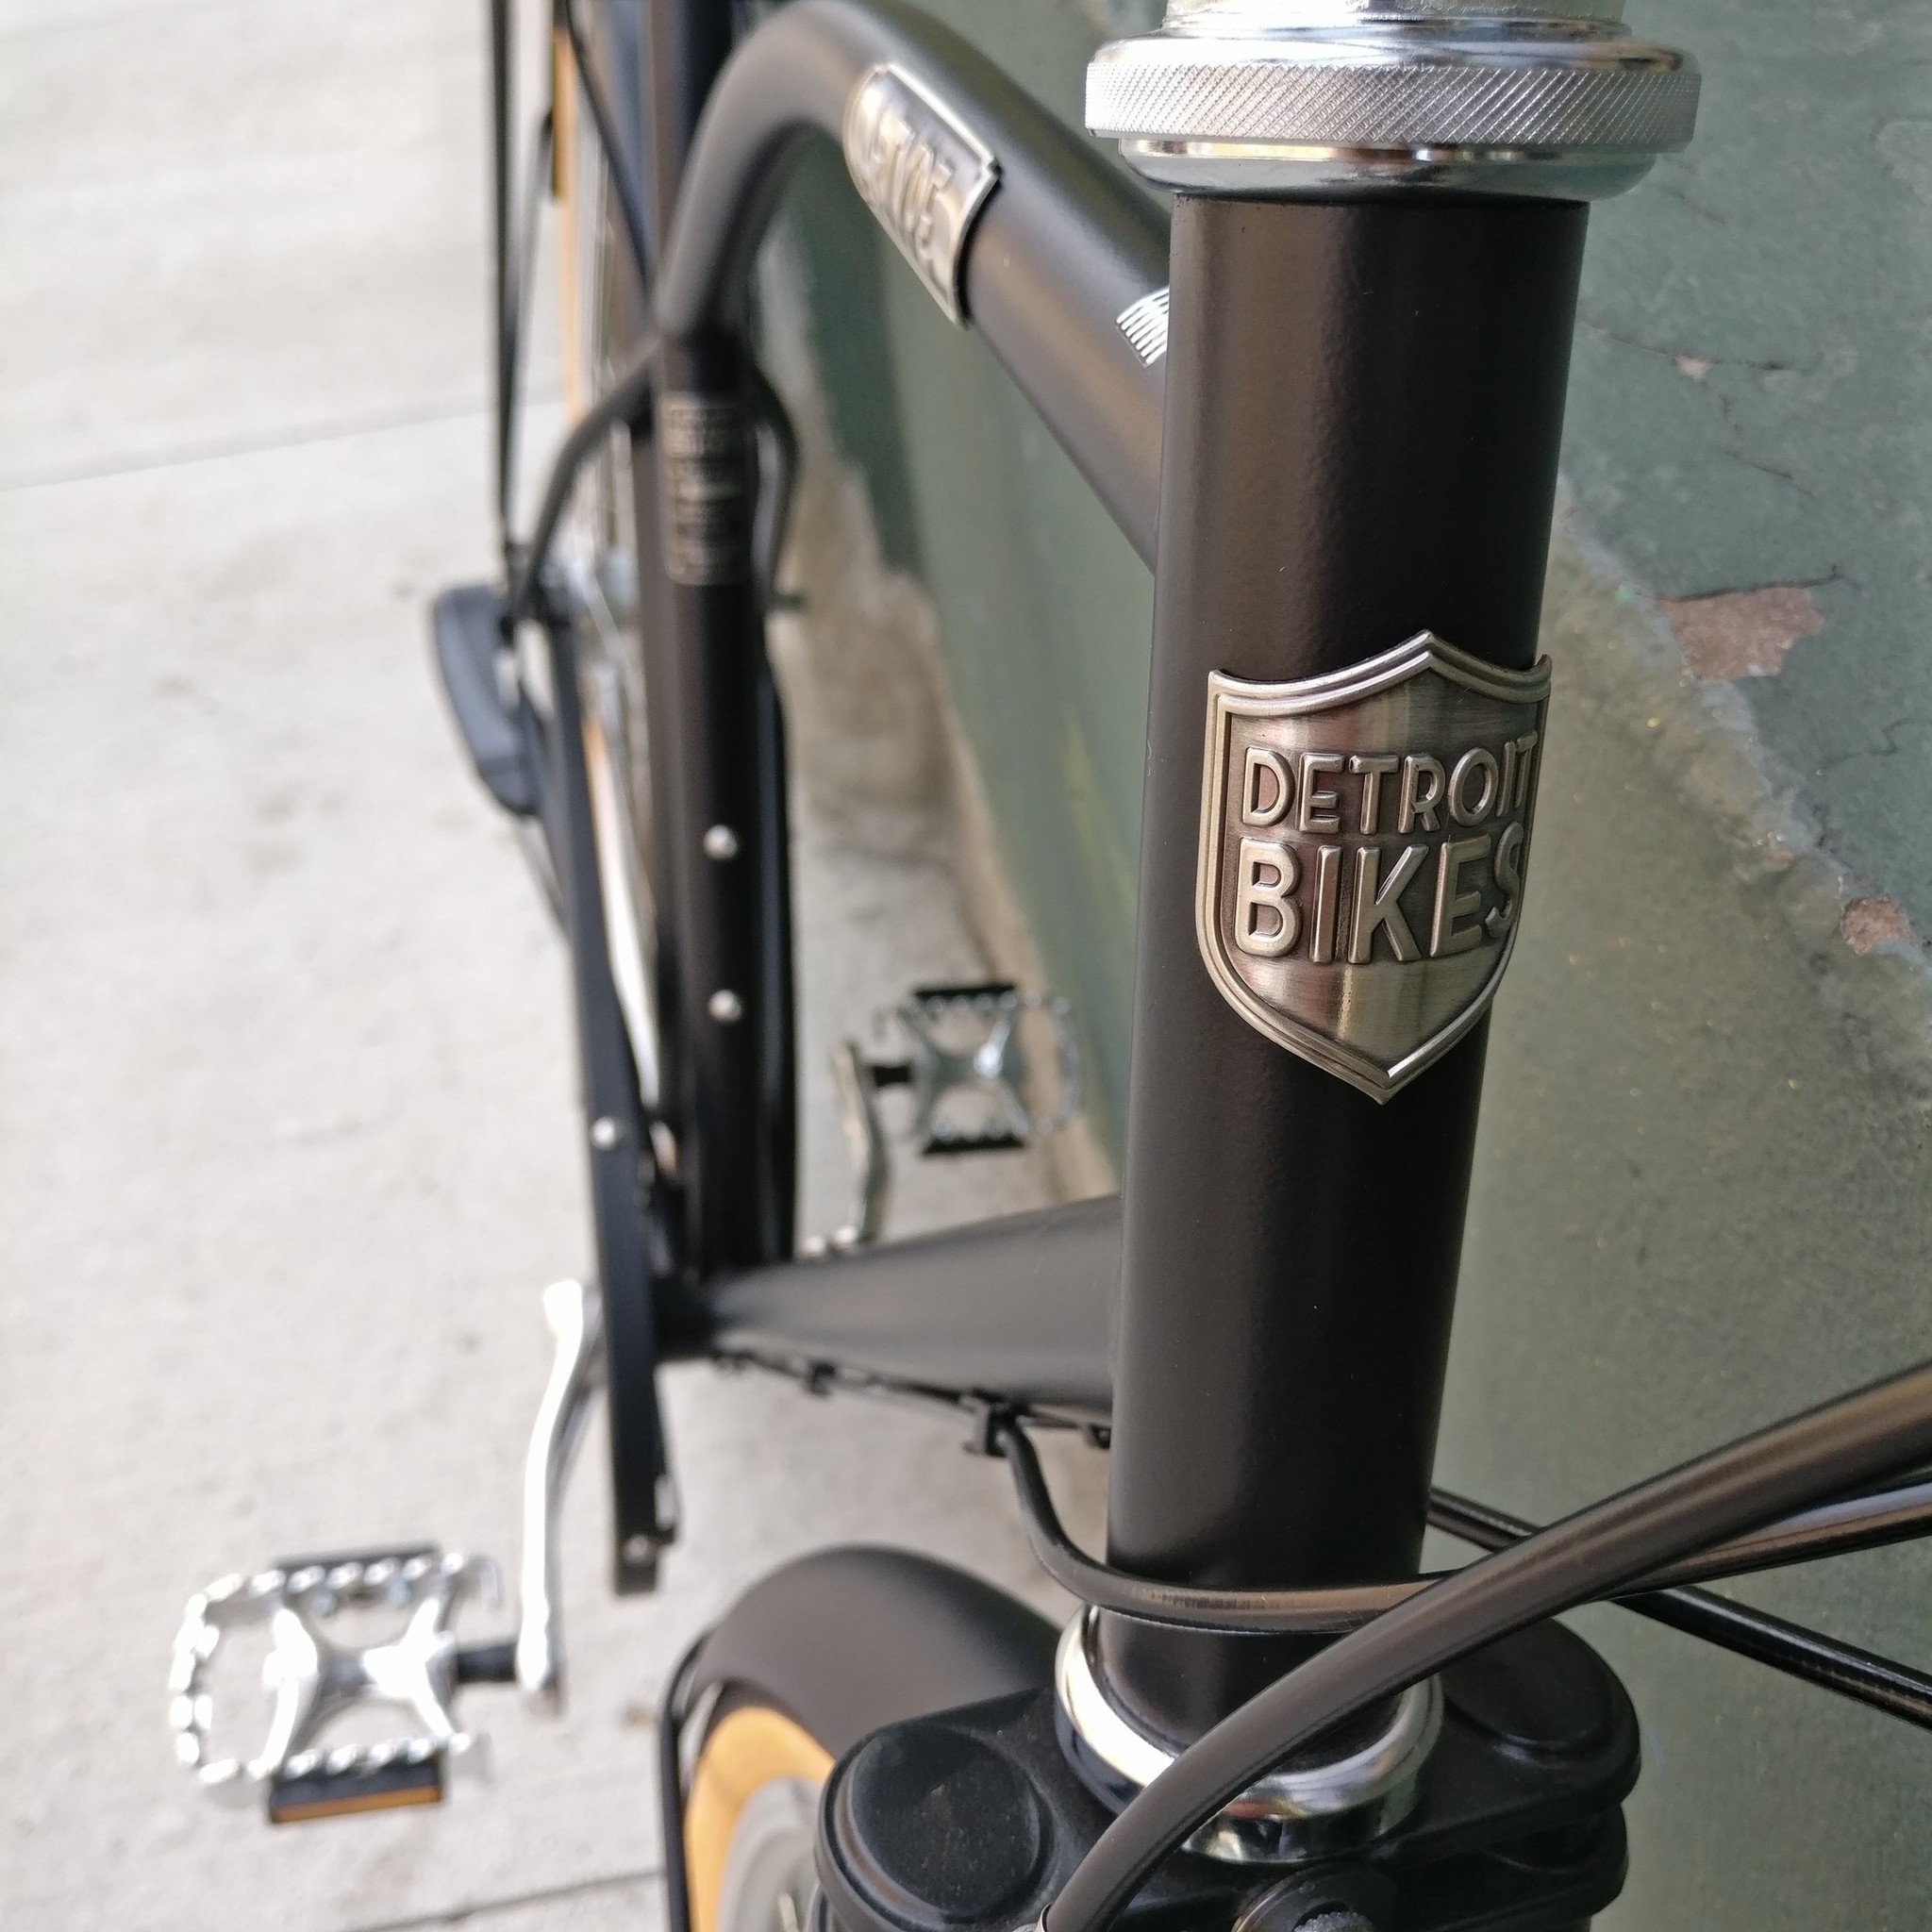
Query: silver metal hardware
<point x="1285" y="97"/>
<point x="992" y="1069"/>
<point x="1364" y="838"/>
<point x="721" y="843"/>
<point x="606" y="1133"/>
<point x="1144" y="324"/>
<point x="965" y="1066"/>
<point x="724" y="1007"/>
<point x="576" y="1319"/>
<point x="865" y="1140"/>
<point x="1306" y="1809"/>
<point x="921" y="171"/>
<point x="314" y="1676"/>
<point x="312" y="1679"/>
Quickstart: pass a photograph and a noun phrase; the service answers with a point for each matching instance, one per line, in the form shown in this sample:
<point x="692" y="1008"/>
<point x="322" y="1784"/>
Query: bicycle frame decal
<point x="707" y="467"/>
<point x="1363" y="842"/>
<point x="921" y="171"/>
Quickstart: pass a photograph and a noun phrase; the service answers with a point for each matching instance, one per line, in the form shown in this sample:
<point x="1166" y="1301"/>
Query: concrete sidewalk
<point x="288" y="1138"/>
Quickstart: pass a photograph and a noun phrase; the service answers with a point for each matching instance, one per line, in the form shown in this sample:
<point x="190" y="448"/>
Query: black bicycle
<point x="1321" y="397"/>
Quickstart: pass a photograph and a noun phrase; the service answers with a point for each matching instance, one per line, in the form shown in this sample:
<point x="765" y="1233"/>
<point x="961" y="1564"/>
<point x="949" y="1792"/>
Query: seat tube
<point x="1364" y="405"/>
<point x="716" y="734"/>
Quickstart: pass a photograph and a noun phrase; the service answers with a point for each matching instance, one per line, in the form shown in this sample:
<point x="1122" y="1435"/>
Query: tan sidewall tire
<point x="745" y="1750"/>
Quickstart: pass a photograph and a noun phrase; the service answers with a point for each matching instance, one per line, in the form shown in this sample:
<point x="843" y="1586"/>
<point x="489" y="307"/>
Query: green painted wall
<point x="1701" y="1190"/>
<point x="1045" y="612"/>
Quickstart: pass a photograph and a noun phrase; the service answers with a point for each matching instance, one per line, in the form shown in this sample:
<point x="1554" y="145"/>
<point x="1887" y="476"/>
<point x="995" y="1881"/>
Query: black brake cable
<point x="1837" y="1529"/>
<point x="1600" y="1551"/>
<point x="620" y="402"/>
<point x="777" y="489"/>
<point x="1310" y="1613"/>
<point x="1869" y="1522"/>
<point x="1880" y="1683"/>
<point x="632" y="389"/>
<point x="1859" y="1522"/>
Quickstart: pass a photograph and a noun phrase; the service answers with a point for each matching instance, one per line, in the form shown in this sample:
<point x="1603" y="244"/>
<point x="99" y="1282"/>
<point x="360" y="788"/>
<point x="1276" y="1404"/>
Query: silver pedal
<point x="314" y="1679"/>
<point x="966" y="1064"/>
<point x="968" y="1068"/>
<point x="318" y="1678"/>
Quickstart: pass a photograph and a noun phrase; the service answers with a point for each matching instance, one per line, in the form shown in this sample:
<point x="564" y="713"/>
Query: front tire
<point x="751" y="1823"/>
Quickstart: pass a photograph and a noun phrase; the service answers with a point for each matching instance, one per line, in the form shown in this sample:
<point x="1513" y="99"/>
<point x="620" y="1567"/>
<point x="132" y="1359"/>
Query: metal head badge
<point x="1363" y="843"/>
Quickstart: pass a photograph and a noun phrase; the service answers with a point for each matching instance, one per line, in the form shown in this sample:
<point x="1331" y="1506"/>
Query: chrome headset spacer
<point x="1308" y="1810"/>
<point x="1283" y="98"/>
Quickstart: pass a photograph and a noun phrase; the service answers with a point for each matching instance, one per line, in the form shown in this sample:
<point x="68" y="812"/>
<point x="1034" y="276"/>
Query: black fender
<point x="847" y="1640"/>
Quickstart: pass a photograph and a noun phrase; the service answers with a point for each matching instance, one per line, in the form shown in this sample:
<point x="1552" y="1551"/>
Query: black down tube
<point x="1363" y="408"/>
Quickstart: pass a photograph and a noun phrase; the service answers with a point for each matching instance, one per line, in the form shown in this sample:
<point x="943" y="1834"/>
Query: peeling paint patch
<point x="1869" y="923"/>
<point x="1695" y="366"/>
<point x="1744" y="633"/>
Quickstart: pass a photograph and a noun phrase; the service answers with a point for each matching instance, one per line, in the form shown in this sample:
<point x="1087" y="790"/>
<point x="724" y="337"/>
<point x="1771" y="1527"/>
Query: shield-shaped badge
<point x="1364" y="838"/>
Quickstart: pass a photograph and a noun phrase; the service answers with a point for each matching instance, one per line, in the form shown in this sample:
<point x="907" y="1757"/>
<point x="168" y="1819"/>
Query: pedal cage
<point x="312" y="1679"/>
<point x="968" y="1094"/>
<point x="993" y="1068"/>
<point x="314" y="1676"/>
